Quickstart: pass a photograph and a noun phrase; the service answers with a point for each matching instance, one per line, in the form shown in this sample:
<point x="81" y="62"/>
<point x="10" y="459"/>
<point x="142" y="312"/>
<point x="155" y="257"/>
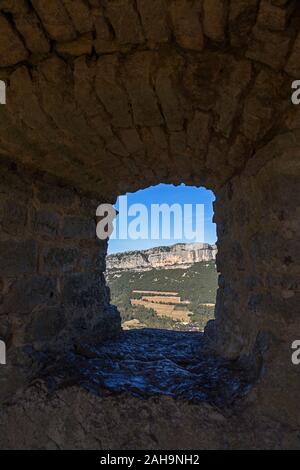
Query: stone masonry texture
<point x="105" y="97"/>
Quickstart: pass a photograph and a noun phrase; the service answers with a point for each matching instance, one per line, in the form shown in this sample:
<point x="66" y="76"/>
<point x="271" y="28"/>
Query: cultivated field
<point x="174" y="299"/>
<point x="164" y="308"/>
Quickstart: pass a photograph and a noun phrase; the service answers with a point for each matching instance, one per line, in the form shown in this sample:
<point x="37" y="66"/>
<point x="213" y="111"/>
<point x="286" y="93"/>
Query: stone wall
<point x="73" y="418"/>
<point x="52" y="285"/>
<point x="122" y="96"/>
<point x="257" y="320"/>
<point x="258" y="256"/>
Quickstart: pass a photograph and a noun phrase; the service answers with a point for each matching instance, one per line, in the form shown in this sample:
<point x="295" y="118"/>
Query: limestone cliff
<point x="180" y="255"/>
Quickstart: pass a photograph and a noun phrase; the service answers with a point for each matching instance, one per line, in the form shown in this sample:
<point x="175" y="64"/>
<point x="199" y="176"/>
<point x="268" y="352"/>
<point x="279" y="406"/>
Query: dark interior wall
<point x="53" y="293"/>
<point x="257" y="311"/>
<point x="52" y="287"/>
<point x="256" y="215"/>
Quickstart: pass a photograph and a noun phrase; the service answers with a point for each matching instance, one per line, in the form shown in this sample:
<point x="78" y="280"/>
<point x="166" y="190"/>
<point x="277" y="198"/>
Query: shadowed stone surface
<point x="145" y="390"/>
<point x="182" y="90"/>
<point x="146" y="363"/>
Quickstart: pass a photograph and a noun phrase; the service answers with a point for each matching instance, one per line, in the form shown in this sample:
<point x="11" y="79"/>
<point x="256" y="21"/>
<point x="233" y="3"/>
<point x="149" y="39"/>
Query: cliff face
<point x="180" y="255"/>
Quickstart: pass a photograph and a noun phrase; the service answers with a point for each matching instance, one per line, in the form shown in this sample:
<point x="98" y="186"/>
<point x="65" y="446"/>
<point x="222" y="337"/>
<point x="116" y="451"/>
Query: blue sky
<point x="167" y="194"/>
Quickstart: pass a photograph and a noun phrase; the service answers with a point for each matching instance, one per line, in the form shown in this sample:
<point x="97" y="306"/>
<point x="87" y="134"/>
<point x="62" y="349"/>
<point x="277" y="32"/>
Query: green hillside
<point x="197" y="284"/>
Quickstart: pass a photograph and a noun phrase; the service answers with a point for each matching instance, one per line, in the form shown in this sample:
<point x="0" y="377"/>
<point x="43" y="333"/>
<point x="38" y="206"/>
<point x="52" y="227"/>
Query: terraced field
<point x="177" y="299"/>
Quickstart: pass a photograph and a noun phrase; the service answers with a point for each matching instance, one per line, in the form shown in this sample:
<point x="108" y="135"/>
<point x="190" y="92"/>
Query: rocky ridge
<point x="182" y="255"/>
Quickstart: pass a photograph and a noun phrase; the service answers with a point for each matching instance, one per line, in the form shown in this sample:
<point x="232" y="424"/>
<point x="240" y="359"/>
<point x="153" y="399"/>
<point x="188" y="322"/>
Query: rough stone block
<point x="78" y="47"/>
<point x="82" y="290"/>
<point x="18" y="257"/>
<point x="214" y="19"/>
<point x="273" y="17"/>
<point x="12" y="49"/>
<point x="178" y="142"/>
<point x="46" y="325"/>
<point x="44" y="222"/>
<point x="242" y="17"/>
<point x="259" y="106"/>
<point x="79" y="228"/>
<point x="55" y="19"/>
<point x="61" y="196"/>
<point x="125" y="22"/>
<point x="104" y="41"/>
<point x="198" y="133"/>
<point x="239" y="152"/>
<point x="236" y="80"/>
<point x="131" y="140"/>
<point x="17" y="7"/>
<point x="116" y="147"/>
<point x="154" y="19"/>
<point x="168" y="94"/>
<point x="30" y="28"/>
<point x="269" y="47"/>
<point x="111" y="93"/>
<point x="138" y="83"/>
<point x="279" y="3"/>
<point x="88" y="205"/>
<point x="91" y="261"/>
<point x="13" y="217"/>
<point x="59" y="259"/>
<point x="217" y="151"/>
<point x="27" y="294"/>
<point x="12" y="180"/>
<point x="293" y="63"/>
<point x="187" y="24"/>
<point x="201" y="80"/>
<point x="236" y="252"/>
<point x="81" y="15"/>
